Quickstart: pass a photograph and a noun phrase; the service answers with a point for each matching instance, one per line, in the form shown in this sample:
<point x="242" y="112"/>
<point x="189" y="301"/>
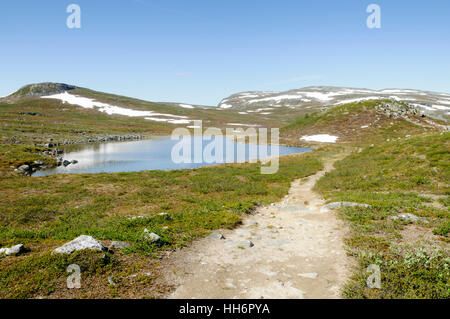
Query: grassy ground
<point x="406" y="176"/>
<point x="354" y="123"/>
<point x="399" y="175"/>
<point x="45" y="212"/>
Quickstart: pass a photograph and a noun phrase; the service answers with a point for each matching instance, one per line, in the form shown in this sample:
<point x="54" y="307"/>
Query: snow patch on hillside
<point x="323" y="138"/>
<point x="109" y="109"/>
<point x="186" y="106"/>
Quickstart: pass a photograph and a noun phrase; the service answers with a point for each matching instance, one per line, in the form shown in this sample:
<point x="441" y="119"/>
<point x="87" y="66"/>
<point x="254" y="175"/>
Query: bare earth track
<point x="298" y="253"/>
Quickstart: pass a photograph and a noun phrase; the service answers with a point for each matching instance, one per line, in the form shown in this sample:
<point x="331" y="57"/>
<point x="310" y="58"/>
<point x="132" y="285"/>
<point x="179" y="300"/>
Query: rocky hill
<point x="39" y="89"/>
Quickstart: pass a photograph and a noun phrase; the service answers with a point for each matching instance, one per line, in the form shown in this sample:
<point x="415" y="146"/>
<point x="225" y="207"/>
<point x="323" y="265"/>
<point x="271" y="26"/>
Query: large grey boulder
<point x="14" y="250"/>
<point x="337" y="205"/>
<point x="80" y="243"/>
<point x="151" y="237"/>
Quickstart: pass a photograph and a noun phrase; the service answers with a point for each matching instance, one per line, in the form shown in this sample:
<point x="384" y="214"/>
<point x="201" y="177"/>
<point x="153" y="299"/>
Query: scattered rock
<point x="74" y="162"/>
<point x="110" y="281"/>
<point x="138" y="217"/>
<point x="24" y="168"/>
<point x="79" y="243"/>
<point x="14" y="250"/>
<point x="336" y="205"/>
<point x="407" y="217"/>
<point x="216" y="235"/>
<point x="119" y="245"/>
<point x="152" y="237"/>
<point x="65" y="162"/>
<point x="393" y="109"/>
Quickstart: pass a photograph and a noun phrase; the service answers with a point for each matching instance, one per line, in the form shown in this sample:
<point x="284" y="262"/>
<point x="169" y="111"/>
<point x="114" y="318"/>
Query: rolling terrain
<point x="433" y="104"/>
<point x="393" y="156"/>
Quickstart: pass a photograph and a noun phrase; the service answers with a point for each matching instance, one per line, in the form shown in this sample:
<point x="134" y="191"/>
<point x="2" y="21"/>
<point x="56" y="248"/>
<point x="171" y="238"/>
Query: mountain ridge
<point x="434" y="104"/>
<point x="265" y="103"/>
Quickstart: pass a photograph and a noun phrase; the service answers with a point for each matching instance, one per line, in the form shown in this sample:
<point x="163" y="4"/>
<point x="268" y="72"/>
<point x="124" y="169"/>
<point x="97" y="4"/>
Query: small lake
<point x="154" y="154"/>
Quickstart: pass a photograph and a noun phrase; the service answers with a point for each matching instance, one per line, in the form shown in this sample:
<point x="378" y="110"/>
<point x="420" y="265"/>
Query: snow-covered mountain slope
<point x="430" y="103"/>
<point x="88" y="103"/>
<point x="172" y="113"/>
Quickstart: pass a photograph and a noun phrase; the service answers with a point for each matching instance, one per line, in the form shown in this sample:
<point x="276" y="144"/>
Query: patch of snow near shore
<point x="324" y="138"/>
<point x="179" y="121"/>
<point x="156" y="119"/>
<point x="171" y="121"/>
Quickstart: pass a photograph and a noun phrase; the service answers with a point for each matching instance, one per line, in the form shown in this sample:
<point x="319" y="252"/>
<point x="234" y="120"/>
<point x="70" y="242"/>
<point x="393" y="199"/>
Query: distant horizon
<point x="200" y="52"/>
<point x="215" y="105"/>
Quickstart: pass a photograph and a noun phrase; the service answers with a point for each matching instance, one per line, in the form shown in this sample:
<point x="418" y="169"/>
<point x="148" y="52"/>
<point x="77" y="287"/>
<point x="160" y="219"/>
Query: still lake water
<point x="153" y="154"/>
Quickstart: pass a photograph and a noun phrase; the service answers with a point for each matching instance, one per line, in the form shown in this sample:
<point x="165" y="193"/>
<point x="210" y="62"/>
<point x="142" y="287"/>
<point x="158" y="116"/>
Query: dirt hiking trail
<point x="297" y="252"/>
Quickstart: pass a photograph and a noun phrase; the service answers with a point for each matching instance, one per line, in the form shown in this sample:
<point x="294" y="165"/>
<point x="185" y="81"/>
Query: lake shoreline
<point x="115" y="156"/>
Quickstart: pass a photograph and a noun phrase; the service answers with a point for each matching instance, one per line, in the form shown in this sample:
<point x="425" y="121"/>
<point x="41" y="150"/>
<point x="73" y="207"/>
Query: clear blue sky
<point x="201" y="51"/>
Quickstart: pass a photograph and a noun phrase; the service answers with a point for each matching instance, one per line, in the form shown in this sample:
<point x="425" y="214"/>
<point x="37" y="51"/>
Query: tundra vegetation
<point x="392" y="172"/>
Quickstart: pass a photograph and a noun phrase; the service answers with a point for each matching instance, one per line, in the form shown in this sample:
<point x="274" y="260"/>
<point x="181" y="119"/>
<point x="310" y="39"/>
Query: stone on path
<point x="216" y="235"/>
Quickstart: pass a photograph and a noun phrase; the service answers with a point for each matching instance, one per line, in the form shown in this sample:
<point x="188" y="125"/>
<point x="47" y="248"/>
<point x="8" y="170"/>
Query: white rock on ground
<point x="336" y="205"/>
<point x="152" y="237"/>
<point x="79" y="243"/>
<point x="14" y="250"/>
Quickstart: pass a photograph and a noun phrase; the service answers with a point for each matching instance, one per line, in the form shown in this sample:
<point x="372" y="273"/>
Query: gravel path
<point x="297" y="252"/>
